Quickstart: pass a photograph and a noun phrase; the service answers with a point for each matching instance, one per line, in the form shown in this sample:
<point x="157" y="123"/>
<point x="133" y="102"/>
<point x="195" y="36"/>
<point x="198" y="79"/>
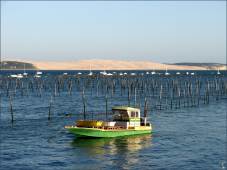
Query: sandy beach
<point x="97" y="64"/>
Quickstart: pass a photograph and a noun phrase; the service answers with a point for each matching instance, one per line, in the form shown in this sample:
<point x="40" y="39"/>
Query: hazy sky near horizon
<point x="174" y="31"/>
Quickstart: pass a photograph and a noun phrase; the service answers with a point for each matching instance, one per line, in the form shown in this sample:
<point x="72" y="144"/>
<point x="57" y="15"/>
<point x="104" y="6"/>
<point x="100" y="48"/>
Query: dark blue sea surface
<point x="183" y="138"/>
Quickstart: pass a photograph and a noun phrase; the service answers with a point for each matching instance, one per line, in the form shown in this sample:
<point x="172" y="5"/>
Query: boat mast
<point x="218" y="71"/>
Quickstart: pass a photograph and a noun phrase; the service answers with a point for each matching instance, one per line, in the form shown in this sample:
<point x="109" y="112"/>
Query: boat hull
<point x="103" y="133"/>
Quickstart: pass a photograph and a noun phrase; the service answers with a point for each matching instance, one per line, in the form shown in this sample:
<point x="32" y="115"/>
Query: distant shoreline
<point x="97" y="64"/>
<point x="110" y="70"/>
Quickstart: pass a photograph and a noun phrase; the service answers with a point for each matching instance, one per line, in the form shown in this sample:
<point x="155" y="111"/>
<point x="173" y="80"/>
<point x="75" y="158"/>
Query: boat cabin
<point x="126" y="116"/>
<point x="123" y="117"/>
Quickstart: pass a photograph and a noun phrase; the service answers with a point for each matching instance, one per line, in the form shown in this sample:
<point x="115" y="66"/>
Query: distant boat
<point x="37" y="76"/>
<point x="187" y="73"/>
<point x="125" y="73"/>
<point x="13" y="75"/>
<point x="147" y="72"/>
<point x="166" y="73"/>
<point x="103" y="72"/>
<point x="16" y="76"/>
<point x="121" y="74"/>
<point x="192" y="73"/>
<point x="65" y="74"/>
<point x="218" y="72"/>
<point x="133" y="74"/>
<point x="90" y="73"/>
<point x="109" y="74"/>
<point x="25" y="74"/>
<point x="79" y="73"/>
<point x="178" y="73"/>
<point x="153" y="72"/>
<point x="19" y="76"/>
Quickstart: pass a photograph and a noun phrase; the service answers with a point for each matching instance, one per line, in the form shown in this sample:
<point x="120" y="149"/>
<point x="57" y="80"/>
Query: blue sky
<point x="156" y="31"/>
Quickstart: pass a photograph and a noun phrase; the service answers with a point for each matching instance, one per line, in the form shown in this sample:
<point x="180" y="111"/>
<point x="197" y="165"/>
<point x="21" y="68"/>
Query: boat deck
<point x="111" y="128"/>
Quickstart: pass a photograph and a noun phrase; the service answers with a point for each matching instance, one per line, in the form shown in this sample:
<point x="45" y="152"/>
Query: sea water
<point x="186" y="138"/>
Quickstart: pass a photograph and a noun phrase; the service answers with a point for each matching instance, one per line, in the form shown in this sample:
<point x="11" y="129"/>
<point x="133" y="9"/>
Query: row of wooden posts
<point x="158" y="92"/>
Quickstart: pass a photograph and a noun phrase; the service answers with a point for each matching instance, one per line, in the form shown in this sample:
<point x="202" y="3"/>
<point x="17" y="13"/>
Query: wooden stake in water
<point x="70" y="87"/>
<point x="11" y="109"/>
<point x="0" y="104"/>
<point x="51" y="101"/>
<point x="55" y="90"/>
<point x="160" y="97"/>
<point x="128" y="96"/>
<point x="145" y="111"/>
<point x="84" y="104"/>
<point x="135" y="96"/>
<point x="106" y="99"/>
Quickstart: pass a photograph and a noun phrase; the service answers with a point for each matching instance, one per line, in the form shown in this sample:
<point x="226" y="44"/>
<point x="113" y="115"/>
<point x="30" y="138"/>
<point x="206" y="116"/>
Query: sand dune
<point x="97" y="64"/>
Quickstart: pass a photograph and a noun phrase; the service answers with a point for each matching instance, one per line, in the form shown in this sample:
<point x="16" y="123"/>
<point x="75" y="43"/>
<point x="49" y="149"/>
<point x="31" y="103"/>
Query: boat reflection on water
<point x="112" y="145"/>
<point x="125" y="149"/>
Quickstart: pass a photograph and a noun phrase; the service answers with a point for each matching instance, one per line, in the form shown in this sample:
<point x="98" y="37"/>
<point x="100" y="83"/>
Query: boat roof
<point x="125" y="108"/>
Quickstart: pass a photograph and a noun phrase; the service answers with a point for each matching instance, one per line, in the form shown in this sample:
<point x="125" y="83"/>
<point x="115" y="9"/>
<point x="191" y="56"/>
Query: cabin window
<point x="133" y="114"/>
<point x="120" y="115"/>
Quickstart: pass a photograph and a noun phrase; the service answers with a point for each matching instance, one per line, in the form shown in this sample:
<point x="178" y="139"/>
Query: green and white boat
<point x="126" y="121"/>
